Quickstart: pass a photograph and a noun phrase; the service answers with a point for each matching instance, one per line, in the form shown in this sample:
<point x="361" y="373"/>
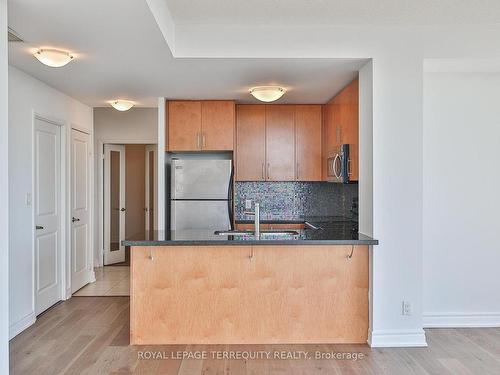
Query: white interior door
<point x="81" y="267"/>
<point x="150" y="199"/>
<point x="114" y="203"/>
<point x="47" y="210"/>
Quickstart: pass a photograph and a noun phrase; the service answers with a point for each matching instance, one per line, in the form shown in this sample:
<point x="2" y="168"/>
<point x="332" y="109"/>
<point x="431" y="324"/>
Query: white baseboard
<point x="396" y="339"/>
<point x="16" y="328"/>
<point x="458" y="320"/>
<point x="92" y="276"/>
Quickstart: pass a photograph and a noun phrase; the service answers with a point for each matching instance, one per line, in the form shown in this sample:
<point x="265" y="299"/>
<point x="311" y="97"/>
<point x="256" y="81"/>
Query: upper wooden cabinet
<point x="308" y="142"/>
<point x="200" y="125"/>
<point x="250" y="142"/>
<point x="341" y="126"/>
<point x="217" y="125"/>
<point x="280" y="142"/>
<point x="184" y="125"/>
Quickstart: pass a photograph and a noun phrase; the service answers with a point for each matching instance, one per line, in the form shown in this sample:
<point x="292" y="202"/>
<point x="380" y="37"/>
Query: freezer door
<point x="200" y="215"/>
<point x="200" y="179"/>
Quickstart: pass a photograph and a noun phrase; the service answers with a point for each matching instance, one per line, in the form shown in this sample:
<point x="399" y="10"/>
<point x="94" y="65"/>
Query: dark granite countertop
<point x="331" y="232"/>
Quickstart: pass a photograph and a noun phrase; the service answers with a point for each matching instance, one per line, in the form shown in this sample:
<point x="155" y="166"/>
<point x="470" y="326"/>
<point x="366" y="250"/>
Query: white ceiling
<point x="333" y="12"/>
<point x="121" y="53"/>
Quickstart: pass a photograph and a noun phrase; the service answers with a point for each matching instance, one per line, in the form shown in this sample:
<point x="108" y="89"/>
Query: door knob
<point x="73" y="219"/>
<point x="39" y="227"/>
<point x="122" y="209"/>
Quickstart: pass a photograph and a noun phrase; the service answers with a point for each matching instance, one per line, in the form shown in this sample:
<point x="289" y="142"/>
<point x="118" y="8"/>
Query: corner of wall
<point x="19" y="326"/>
<point x="396" y="338"/>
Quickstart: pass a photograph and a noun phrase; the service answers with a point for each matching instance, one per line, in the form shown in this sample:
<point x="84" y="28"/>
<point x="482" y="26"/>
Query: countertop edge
<point x="367" y="241"/>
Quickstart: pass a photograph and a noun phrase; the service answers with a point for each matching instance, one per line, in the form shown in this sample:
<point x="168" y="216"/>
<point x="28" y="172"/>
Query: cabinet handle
<point x="268" y="171"/>
<point x="198" y="144"/>
<point x="349" y="172"/>
<point x="298" y="173"/>
<point x="263" y="172"/>
<point x="203" y="143"/>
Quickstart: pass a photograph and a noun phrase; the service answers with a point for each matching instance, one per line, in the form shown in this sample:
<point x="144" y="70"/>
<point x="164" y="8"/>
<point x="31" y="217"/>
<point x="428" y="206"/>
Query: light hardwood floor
<point x="90" y="335"/>
<point x="109" y="281"/>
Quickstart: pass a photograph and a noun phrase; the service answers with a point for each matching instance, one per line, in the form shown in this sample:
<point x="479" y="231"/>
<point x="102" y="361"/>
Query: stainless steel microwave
<point x="338" y="165"/>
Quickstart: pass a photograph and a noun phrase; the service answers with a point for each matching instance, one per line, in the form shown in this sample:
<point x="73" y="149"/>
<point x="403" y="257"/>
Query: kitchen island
<point x="195" y="287"/>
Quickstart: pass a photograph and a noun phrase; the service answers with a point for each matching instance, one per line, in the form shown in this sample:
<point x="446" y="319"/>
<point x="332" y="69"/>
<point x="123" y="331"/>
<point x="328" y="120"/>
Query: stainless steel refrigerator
<point x="201" y="194"/>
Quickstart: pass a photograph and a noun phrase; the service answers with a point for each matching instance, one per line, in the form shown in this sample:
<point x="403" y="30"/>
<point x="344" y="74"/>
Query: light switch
<point x="248" y="204"/>
<point x="28" y="199"/>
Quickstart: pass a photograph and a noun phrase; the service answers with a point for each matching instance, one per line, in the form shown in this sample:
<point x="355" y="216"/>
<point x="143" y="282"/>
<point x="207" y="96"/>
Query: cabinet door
<point x="280" y="142"/>
<point x="308" y="142"/>
<point x="217" y="125"/>
<point x="250" y="142"/>
<point x="184" y="125"/>
<point x="347" y="124"/>
<point x="349" y="118"/>
<point x="329" y="136"/>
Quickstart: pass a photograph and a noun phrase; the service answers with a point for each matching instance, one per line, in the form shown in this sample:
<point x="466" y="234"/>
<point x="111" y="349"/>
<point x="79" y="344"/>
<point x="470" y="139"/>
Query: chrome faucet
<point x="256" y="214"/>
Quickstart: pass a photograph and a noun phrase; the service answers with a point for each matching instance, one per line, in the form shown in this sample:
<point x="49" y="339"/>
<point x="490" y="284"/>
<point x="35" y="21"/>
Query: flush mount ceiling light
<point x="122" y="105"/>
<point x="267" y="93"/>
<point x="53" y="57"/>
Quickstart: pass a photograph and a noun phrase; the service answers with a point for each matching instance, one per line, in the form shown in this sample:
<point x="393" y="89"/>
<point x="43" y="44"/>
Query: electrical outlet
<point x="406" y="308"/>
<point x="248" y="204"/>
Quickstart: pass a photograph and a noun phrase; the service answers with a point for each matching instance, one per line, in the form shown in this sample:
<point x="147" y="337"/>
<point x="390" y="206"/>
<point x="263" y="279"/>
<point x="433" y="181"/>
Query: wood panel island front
<point x="197" y="288"/>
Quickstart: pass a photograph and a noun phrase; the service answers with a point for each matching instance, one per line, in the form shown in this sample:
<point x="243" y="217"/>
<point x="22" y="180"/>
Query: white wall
<point x="28" y="95"/>
<point x="137" y="125"/>
<point x="366" y="149"/>
<point x="4" y="195"/>
<point x="461" y="199"/>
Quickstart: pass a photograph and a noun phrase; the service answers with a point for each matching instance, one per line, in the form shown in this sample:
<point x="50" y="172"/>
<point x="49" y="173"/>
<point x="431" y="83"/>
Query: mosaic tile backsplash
<point x="294" y="200"/>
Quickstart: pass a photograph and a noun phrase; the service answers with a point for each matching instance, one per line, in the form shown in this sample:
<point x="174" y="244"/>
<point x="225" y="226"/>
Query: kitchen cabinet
<point x="341" y="126"/>
<point x="308" y="142"/>
<point x="184" y="125"/>
<point x="200" y="125"/>
<point x="217" y="125"/>
<point x="246" y="226"/>
<point x="250" y="142"/>
<point x="280" y="142"/>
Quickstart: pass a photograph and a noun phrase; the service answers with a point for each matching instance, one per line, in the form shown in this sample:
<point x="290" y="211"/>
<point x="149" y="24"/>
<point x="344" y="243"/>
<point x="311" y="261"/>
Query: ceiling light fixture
<point x="53" y="57"/>
<point x="267" y="93"/>
<point x="122" y="105"/>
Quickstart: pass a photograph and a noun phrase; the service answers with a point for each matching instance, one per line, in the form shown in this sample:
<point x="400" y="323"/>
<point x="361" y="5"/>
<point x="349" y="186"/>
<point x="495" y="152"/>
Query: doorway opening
<point x="129" y="196"/>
